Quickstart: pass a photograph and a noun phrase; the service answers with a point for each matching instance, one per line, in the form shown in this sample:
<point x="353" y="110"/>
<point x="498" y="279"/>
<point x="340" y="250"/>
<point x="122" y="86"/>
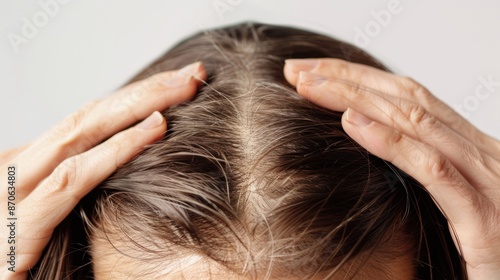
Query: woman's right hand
<point x="400" y="121"/>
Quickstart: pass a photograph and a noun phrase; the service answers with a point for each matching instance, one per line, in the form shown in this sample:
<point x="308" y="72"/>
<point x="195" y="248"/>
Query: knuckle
<point x="155" y="83"/>
<point x="126" y="101"/>
<point x="355" y="88"/>
<point x="440" y="166"/>
<point x="81" y="114"/>
<point x="63" y="176"/>
<point x="409" y="82"/>
<point x="454" y="120"/>
<point x="443" y="170"/>
<point x="157" y="79"/>
<point x="395" y="138"/>
<point x="135" y="94"/>
<point x="341" y="67"/>
<point x="418" y="115"/>
<point x="473" y="155"/>
<point x="355" y="92"/>
<point x="71" y="126"/>
<point x="323" y="63"/>
<point x="116" y="146"/>
<point x="415" y="89"/>
<point x="118" y="142"/>
<point x="99" y="131"/>
<point x="121" y="106"/>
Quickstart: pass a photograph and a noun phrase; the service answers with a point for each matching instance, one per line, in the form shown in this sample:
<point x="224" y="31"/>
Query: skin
<point x="119" y="261"/>
<point x="59" y="168"/>
<point x="402" y="122"/>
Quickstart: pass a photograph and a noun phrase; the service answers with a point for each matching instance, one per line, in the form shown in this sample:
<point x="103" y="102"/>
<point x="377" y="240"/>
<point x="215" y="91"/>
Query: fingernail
<point x="357" y="118"/>
<point x="154" y="120"/>
<point x="298" y="65"/>
<point x="184" y="75"/>
<point x="310" y="79"/>
<point x="190" y="69"/>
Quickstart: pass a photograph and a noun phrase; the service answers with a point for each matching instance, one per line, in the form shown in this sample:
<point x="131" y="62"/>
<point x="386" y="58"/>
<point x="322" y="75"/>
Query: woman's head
<point x="253" y="181"/>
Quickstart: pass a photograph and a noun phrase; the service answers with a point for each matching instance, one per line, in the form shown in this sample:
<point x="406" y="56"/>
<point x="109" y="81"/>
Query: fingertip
<point x="349" y="127"/>
<point x="148" y="131"/>
<point x="184" y="91"/>
<point x="310" y="78"/>
<point x="195" y="70"/>
<point x="183" y="77"/>
<point x="291" y="75"/>
<point x="191" y="69"/>
<point x="378" y="139"/>
<point x="308" y="86"/>
<point x="355" y="118"/>
<point x="201" y="73"/>
<point x="294" y="66"/>
<point x="178" y="80"/>
<point x="301" y="85"/>
<point x="361" y="129"/>
<point x="153" y="122"/>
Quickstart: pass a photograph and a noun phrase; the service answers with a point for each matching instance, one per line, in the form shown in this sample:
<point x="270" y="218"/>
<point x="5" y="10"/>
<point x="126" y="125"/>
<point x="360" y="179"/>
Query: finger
<point x="101" y="119"/>
<point x="408" y="117"/>
<point x="431" y="168"/>
<point x="44" y="208"/>
<point x="341" y="69"/>
<point x="7" y="155"/>
<point x="388" y="83"/>
<point x="471" y="214"/>
<point x="7" y="158"/>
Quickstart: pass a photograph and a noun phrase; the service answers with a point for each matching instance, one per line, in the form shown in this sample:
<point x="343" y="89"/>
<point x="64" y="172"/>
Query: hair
<point x="252" y="179"/>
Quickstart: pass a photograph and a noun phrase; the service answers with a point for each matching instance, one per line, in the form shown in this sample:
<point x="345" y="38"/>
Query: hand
<point x="55" y="171"/>
<point x="400" y="121"/>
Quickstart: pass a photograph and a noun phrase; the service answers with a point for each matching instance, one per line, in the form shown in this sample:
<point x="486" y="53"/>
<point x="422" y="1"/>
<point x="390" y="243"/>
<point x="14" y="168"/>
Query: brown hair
<point x="257" y="180"/>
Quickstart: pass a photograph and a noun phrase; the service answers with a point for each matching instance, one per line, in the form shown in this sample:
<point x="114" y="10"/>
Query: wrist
<point x="483" y="273"/>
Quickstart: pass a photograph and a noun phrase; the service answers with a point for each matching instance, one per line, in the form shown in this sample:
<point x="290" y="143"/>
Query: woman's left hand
<point x="400" y="121"/>
<point x="44" y="180"/>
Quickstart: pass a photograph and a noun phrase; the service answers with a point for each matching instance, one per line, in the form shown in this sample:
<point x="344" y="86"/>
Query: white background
<point x="86" y="49"/>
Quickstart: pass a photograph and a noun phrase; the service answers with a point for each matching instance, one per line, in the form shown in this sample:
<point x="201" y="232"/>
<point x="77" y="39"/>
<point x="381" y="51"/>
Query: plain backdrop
<point x="55" y="56"/>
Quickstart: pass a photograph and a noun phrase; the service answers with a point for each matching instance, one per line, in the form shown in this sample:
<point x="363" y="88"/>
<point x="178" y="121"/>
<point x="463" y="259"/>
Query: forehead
<point x="124" y="260"/>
